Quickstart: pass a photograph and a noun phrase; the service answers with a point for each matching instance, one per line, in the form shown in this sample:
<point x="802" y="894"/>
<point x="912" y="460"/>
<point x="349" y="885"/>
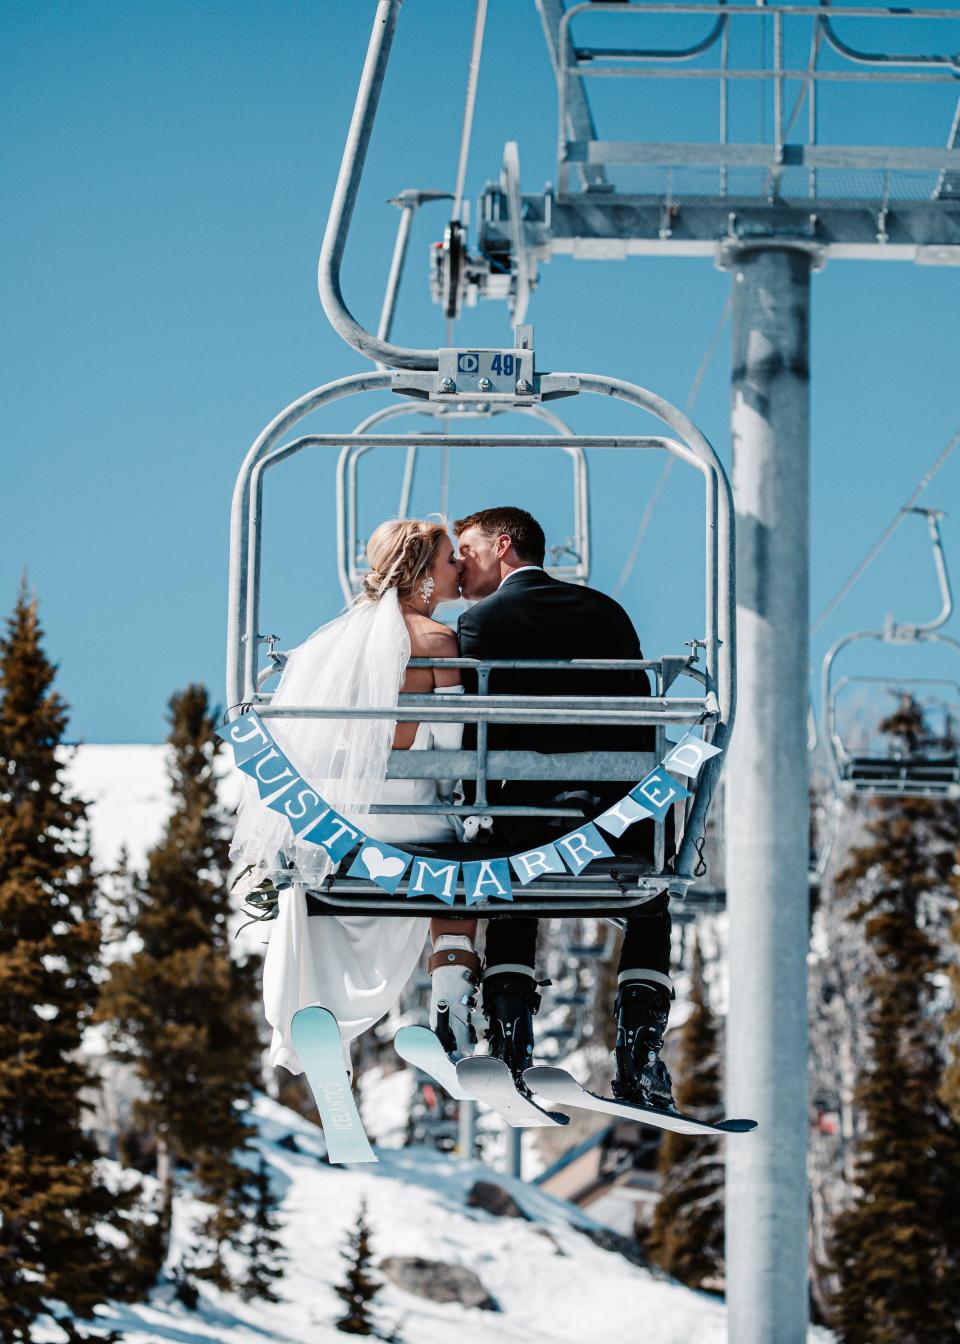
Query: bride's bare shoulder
<point x="432" y="637"/>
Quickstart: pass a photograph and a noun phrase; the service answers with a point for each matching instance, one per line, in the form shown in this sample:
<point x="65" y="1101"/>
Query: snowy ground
<point x="551" y="1282"/>
<point x="129" y="796"/>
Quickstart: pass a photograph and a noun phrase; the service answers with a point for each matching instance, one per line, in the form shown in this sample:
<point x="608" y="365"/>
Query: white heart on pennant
<point x="379" y="864"/>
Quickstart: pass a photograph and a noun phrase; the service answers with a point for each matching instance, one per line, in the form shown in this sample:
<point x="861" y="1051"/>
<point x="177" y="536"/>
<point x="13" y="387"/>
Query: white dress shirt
<point x="519" y="570"/>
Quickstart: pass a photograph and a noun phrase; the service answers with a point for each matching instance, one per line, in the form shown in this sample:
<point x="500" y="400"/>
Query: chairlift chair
<point x="931" y="771"/>
<point x="476" y="381"/>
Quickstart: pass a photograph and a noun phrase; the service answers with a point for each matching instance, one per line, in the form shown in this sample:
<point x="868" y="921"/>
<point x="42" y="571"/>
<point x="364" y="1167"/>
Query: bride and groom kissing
<point x="356" y="966"/>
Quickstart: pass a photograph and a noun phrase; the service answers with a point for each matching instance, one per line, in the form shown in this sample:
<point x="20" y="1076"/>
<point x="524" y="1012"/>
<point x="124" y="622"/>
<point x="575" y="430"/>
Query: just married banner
<point x="315" y="822"/>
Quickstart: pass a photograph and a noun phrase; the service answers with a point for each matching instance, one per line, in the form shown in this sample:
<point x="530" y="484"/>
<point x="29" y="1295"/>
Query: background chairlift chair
<point x="933" y="770"/>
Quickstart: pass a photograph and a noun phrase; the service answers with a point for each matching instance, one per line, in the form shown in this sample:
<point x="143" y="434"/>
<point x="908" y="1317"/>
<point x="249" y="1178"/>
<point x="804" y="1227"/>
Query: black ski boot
<point x="642" y="1010"/>
<point x="510" y="1000"/>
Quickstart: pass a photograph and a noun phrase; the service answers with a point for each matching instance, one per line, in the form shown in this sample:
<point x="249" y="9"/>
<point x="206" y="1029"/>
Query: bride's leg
<point x="467" y="928"/>
<point x="454" y="974"/>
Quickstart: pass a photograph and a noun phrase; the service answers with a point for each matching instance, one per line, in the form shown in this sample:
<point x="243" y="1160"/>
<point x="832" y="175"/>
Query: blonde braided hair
<point x="400" y="552"/>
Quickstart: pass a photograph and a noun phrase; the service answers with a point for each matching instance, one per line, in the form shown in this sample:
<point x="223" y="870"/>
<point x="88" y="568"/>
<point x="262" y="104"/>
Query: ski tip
<point x="737" y="1126"/>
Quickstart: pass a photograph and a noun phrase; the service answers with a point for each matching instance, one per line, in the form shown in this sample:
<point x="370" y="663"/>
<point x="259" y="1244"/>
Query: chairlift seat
<point x="922" y="774"/>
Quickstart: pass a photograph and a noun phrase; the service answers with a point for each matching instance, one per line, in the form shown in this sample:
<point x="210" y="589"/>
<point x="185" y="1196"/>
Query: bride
<point x="357" y="965"/>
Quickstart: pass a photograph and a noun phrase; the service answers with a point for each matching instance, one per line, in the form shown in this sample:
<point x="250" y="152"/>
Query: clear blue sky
<point x="169" y="165"/>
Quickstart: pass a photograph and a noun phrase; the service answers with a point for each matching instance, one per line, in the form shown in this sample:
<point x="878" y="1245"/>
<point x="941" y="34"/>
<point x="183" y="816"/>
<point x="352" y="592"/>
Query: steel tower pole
<point x="467" y="1131"/>
<point x="767" y="799"/>
<point x="513" y="1164"/>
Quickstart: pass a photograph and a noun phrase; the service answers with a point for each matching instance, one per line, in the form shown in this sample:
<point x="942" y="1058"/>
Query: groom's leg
<point x="644" y="994"/>
<point x="510" y="996"/>
<point x="511" y="941"/>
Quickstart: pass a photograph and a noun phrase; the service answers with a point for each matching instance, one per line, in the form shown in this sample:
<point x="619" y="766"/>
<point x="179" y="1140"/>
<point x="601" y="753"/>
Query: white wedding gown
<point x="354" y="965"/>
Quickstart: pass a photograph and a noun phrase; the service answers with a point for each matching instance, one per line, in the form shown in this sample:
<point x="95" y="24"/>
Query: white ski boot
<point x="454" y="973"/>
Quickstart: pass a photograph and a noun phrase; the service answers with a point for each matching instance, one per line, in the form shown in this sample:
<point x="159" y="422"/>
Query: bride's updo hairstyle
<point x="400" y="552"/>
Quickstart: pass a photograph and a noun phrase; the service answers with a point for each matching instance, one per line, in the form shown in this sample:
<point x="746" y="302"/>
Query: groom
<point x="524" y="613"/>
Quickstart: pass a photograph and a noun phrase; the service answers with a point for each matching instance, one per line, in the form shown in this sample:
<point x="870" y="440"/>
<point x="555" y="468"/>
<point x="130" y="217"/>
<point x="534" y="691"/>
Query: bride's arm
<point x="446" y="681"/>
<point x="444" y="644"/>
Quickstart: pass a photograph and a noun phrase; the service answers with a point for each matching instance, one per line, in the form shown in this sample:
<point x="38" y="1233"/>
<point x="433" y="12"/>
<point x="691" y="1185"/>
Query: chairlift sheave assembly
<point x="933" y="769"/>
<point x="455" y="383"/>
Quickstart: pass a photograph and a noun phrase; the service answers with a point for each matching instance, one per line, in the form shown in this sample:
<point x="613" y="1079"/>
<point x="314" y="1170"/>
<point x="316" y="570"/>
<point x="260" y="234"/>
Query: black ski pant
<point x="646" y="942"/>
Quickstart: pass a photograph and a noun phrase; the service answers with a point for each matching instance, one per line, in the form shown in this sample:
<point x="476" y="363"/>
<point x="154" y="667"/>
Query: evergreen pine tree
<point x="360" y="1287"/>
<point x="181" y="1011"/>
<point x="263" y="1249"/>
<point x="894" y="1251"/>
<point x="686" y="1236"/>
<point x="52" y="1256"/>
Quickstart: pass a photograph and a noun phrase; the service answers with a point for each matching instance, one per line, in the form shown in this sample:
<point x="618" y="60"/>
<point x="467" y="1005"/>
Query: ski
<point x="316" y="1038"/>
<point x="421" y="1047"/>
<point x="488" y="1079"/>
<point x="561" y="1088"/>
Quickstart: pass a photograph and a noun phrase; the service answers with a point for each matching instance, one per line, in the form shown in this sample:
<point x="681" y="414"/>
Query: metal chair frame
<point x="623" y="884"/>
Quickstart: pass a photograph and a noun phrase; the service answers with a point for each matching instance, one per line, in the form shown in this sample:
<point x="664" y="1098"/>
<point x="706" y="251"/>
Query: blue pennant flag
<point x="582" y="846"/>
<point x="334" y="834"/>
<point x="301" y="806"/>
<point x="380" y="863"/>
<point x="688" y="755"/>
<point x="270" y="771"/>
<point x="246" y="736"/>
<point x="533" y="863"/>
<point x="622" y="814"/>
<point x="434" y="877"/>
<point x="659" y="791"/>
<point x="488" y="877"/>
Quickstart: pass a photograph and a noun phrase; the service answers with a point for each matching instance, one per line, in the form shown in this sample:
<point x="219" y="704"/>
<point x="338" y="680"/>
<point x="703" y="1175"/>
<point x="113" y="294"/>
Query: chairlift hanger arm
<point x="902" y="631"/>
<point x="345" y="199"/>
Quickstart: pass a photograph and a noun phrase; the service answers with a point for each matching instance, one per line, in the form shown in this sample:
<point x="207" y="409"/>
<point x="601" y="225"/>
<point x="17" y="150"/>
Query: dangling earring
<point x="426" y="589"/>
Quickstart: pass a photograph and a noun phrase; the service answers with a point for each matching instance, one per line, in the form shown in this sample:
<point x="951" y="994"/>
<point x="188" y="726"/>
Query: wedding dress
<point x="354" y="965"/>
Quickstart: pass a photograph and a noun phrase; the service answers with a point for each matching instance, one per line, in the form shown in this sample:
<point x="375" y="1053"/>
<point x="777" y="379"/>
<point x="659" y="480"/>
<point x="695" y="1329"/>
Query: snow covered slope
<point x="551" y="1282"/>
<point x="129" y="796"/>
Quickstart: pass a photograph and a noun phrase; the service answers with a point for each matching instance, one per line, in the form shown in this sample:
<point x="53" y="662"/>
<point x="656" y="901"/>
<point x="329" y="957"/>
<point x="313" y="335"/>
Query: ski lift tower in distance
<point x="771" y="208"/>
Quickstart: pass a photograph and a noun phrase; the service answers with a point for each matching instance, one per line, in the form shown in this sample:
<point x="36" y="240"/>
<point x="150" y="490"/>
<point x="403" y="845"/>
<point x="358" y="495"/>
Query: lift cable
<point x="472" y="77"/>
<point x="647" y="515"/>
<point x="888" y="532"/>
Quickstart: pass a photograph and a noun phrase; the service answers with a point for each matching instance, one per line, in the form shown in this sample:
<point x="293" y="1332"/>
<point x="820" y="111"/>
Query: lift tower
<point x="772" y="191"/>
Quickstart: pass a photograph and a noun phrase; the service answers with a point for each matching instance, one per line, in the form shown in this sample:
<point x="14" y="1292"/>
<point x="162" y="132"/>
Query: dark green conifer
<point x="686" y="1236"/>
<point x="181" y="1010"/>
<point x="263" y="1249"/>
<point x="894" y="1250"/>
<point x="52" y="1256"/>
<point x="360" y="1287"/>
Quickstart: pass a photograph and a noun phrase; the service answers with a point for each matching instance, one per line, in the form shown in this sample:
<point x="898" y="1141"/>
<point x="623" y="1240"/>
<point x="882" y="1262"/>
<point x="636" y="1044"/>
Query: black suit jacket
<point x="535" y="616"/>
